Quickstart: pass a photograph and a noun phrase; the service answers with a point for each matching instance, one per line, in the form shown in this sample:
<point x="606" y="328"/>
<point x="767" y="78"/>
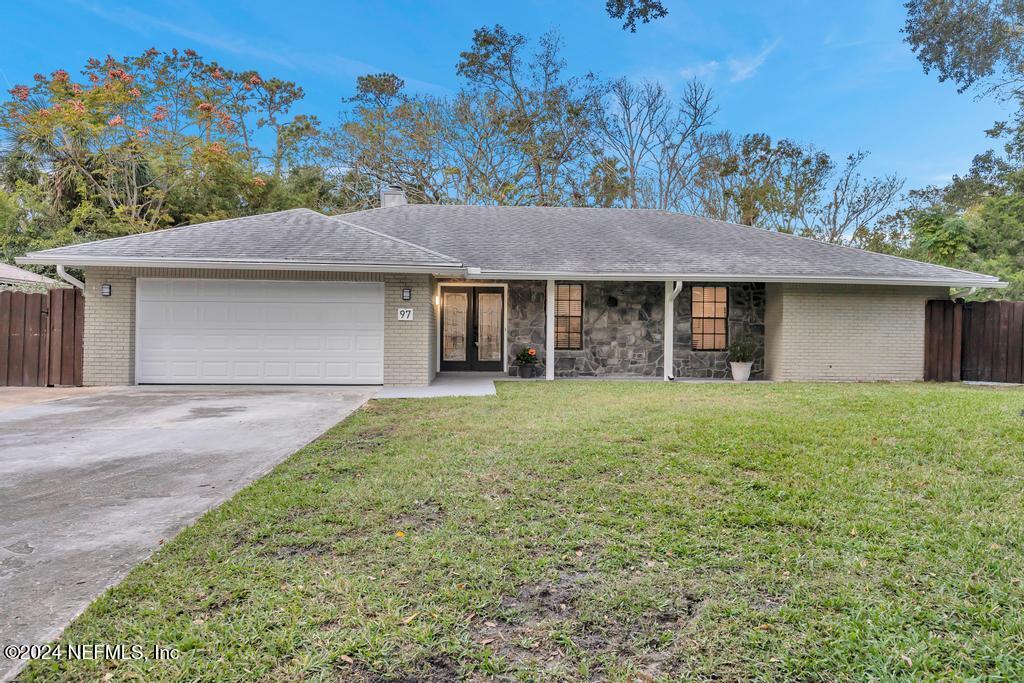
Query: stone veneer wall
<point x="745" y="316"/>
<point x="109" y="339"/>
<point x="623" y="331"/>
<point x="627" y="339"/>
<point x="526" y="301"/>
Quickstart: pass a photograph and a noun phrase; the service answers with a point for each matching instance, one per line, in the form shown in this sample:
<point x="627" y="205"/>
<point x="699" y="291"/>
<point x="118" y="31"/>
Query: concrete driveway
<point x="90" y="485"/>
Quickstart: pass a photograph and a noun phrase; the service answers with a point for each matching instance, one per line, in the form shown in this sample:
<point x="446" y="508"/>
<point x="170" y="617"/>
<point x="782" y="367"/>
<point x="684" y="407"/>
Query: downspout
<point x="969" y="292"/>
<point x="670" y="325"/>
<point x="73" y="281"/>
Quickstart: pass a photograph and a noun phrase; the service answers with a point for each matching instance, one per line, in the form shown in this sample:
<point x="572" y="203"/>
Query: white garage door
<point x="259" y="332"/>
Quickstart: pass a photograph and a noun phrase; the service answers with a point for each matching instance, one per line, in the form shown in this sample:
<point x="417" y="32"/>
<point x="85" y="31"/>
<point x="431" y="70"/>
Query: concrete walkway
<point x="90" y="485"/>
<point x="448" y="384"/>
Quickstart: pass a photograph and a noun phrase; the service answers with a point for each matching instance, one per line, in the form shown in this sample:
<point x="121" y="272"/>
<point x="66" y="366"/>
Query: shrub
<point x="742" y="349"/>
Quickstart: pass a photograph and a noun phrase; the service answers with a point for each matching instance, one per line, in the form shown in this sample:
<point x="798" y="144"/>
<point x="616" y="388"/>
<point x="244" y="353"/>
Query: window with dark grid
<point x="709" y="314"/>
<point x="568" y="316"/>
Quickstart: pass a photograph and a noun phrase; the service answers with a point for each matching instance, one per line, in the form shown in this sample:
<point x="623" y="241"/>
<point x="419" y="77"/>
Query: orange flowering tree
<point x="132" y="133"/>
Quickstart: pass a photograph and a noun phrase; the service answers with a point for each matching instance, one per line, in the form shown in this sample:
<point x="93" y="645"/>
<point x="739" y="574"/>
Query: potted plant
<point x="526" y="362"/>
<point x="741" y="357"/>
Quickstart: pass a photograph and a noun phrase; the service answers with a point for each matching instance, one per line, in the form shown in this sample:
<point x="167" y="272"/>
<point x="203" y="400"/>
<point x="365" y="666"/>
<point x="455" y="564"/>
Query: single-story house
<point x="397" y="294"/>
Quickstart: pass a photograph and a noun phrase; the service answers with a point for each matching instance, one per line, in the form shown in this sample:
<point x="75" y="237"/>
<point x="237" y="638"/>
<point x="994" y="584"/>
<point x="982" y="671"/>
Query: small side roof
<point x="19" y="276"/>
<point x="298" y="237"/>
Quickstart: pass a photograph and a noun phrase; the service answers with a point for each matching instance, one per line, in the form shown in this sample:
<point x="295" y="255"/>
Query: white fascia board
<point x="712" y="277"/>
<point x="86" y="262"/>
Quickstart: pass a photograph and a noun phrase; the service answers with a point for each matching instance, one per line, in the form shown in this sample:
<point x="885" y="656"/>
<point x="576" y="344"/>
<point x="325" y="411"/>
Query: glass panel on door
<point x="456" y="309"/>
<point x="488" y="322"/>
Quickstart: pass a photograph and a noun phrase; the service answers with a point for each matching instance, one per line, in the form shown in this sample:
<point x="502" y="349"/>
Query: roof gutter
<point x="447" y="269"/>
<point x="470" y="273"/>
<point x="478" y="274"/>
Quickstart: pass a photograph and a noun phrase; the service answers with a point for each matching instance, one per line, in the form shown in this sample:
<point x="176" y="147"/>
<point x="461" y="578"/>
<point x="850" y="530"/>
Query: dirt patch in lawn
<point x="433" y="669"/>
<point x="542" y="627"/>
<point x="371" y="439"/>
<point x="538" y="602"/>
<point x="288" y="552"/>
<point x="424" y="515"/>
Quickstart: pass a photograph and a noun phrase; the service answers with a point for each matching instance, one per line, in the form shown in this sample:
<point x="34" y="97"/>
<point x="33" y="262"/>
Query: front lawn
<point x="581" y="530"/>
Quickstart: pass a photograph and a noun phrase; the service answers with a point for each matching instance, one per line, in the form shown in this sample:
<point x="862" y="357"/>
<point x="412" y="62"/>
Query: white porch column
<point x="670" y="316"/>
<point x="549" y="333"/>
<point x="672" y="290"/>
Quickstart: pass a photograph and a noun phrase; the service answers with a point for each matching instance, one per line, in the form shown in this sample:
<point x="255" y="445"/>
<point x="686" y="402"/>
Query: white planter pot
<point x="740" y="371"/>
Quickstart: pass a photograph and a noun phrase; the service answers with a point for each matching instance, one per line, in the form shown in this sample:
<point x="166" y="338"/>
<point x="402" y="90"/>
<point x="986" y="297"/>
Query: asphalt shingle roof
<point x="16" y="275"/>
<point x="526" y="240"/>
<point x="634" y="241"/>
<point x="297" y="235"/>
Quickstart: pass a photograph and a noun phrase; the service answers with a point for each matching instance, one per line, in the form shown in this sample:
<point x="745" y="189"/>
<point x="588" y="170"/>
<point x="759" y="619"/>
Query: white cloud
<point x="742" y="68"/>
<point x="737" y="68"/>
<point x="705" y="71"/>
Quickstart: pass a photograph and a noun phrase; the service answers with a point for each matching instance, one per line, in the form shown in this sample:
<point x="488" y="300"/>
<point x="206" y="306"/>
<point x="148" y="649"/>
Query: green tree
<point x="127" y="132"/>
<point x="970" y="42"/>
<point x="144" y="142"/>
<point x="941" y="238"/>
<point x="547" y="116"/>
<point x="632" y="10"/>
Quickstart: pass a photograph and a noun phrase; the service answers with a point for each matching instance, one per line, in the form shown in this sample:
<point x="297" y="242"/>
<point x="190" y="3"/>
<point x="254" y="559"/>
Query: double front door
<point x="472" y="328"/>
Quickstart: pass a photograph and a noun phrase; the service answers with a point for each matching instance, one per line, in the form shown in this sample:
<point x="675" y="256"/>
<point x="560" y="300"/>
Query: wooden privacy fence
<point x="978" y="341"/>
<point x="41" y="338"/>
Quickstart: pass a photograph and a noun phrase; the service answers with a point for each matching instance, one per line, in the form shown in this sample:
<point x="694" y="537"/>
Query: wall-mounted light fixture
<point x="406" y="294"/>
<point x="105" y="290"/>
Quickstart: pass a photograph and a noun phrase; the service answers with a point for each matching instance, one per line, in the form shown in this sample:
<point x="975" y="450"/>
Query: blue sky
<point x="833" y="74"/>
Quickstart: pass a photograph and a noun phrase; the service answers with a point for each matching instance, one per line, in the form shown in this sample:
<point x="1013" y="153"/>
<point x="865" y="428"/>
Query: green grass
<point x="581" y="530"/>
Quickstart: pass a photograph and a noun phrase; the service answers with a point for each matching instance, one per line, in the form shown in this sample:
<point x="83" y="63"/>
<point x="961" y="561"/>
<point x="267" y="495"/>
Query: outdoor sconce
<point x="406" y="294"/>
<point x="104" y="290"/>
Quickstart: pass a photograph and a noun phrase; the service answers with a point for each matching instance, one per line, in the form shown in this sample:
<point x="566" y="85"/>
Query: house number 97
<point x="405" y="314"/>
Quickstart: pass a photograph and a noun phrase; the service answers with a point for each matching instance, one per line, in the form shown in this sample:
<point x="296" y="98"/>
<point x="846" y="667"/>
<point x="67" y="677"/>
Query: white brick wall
<point x="109" y="338"/>
<point x="408" y="344"/>
<point x="109" y="356"/>
<point x="846" y="332"/>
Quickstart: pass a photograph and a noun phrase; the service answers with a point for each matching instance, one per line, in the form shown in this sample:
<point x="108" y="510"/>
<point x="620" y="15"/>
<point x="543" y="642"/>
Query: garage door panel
<point x="245" y="313"/>
<point x="366" y="370"/>
<point x="339" y="372"/>
<point x="246" y="370"/>
<point x="276" y="370"/>
<point x="309" y="342"/>
<point x="215" y="342"/>
<point x="366" y="342"/>
<point x="215" y="313"/>
<point x="219" y="369"/>
<point x="213" y="331"/>
<point x="339" y="342"/>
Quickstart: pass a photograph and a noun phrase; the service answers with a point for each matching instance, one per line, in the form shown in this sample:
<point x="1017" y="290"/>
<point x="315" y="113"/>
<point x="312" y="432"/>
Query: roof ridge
<point x="508" y="206"/>
<point x="396" y="239"/>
